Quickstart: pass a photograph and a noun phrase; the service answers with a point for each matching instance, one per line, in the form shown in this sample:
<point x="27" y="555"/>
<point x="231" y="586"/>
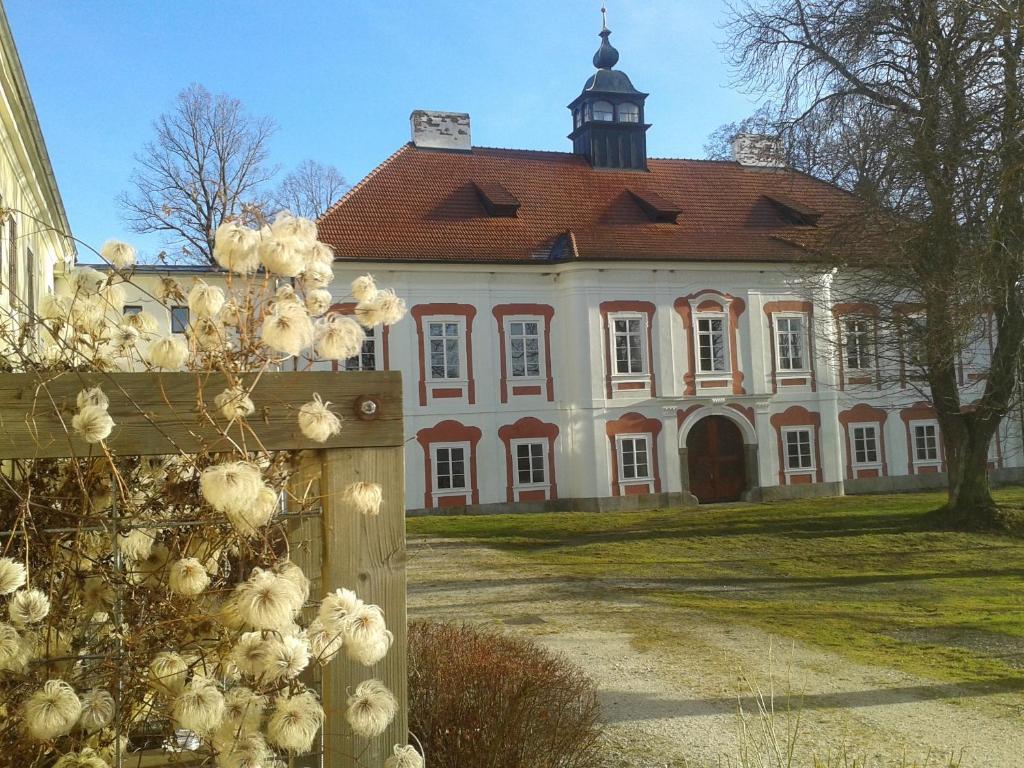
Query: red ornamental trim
<point x="864" y="414"/>
<point x="448" y="431"/>
<point x="798" y="416"/>
<point x="634" y="423"/>
<point x="807" y="308"/>
<point x="922" y="411"/>
<point x="467" y="311"/>
<point x="526" y="428"/>
<point x="545" y="311"/>
<point x="611" y="307"/>
<point x="734" y="307"/>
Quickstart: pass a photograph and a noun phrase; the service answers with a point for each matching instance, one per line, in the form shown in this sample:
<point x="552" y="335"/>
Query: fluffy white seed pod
<point x="243" y="709"/>
<point x="282" y="255"/>
<point x="249" y="519"/>
<point x="93" y="423"/>
<point x="318" y="301"/>
<point x="364" y="288"/>
<point x="287" y="329"/>
<point x="28" y="606"/>
<point x="317" y="421"/>
<point x="243" y="750"/>
<point x="236" y="248"/>
<point x="12" y="575"/>
<point x="207" y="333"/>
<point x="188" y="577"/>
<point x="51" y="711"/>
<point x="205" y="300"/>
<point x="404" y="757"/>
<point x="144" y="323"/>
<point x="288" y="226"/>
<point x="167" y="673"/>
<point x="371" y="708"/>
<point x="289" y="570"/>
<point x="120" y="255"/>
<point x="287" y="656"/>
<point x="232" y="315"/>
<point x="320" y="253"/>
<point x="295" y="722"/>
<point x="92" y="396"/>
<point x="323" y="644"/>
<point x="367" y="639"/>
<point x="250" y="654"/>
<point x="317" y="275"/>
<point x="87" y="758"/>
<point x="385" y="308"/>
<point x="97" y="710"/>
<point x="363" y="498"/>
<point x="169" y="353"/>
<point x="10" y="644"/>
<point x="336" y="606"/>
<point x="339" y="338"/>
<point x="55" y="307"/>
<point x="88" y="314"/>
<point x="97" y="594"/>
<point x="136" y="544"/>
<point x="114" y="297"/>
<point x="85" y="280"/>
<point x="231" y="485"/>
<point x="268" y="601"/>
<point x="235" y="403"/>
<point x="200" y="707"/>
<point x="124" y="337"/>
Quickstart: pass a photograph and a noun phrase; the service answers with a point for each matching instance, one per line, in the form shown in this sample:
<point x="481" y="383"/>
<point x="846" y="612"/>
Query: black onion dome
<point x="609" y="81"/>
<point x="606" y="56"/>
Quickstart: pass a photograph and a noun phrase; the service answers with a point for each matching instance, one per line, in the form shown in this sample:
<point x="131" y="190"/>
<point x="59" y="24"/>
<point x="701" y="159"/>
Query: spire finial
<point x="606" y="55"/>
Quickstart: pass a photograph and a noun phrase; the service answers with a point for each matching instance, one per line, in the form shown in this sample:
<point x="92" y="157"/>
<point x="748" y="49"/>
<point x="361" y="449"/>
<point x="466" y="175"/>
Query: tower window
<point x="629" y="113"/>
<point x="577" y="118"/>
<point x="604" y="111"/>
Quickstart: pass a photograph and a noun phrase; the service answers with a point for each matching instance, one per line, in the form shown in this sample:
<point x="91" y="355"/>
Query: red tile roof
<point x="423" y="205"/>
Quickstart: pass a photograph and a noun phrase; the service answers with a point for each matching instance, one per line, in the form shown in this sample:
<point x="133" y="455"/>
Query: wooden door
<point x="715" y="458"/>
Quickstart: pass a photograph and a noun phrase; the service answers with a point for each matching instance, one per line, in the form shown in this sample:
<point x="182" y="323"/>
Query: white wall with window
<point x="791" y="343"/>
<point x="530" y="465"/>
<point x="367" y="359"/>
<point x="798" y="450"/>
<point x="711" y="341"/>
<point x="628" y="352"/>
<point x="633" y="454"/>
<point x="451" y="468"/>
<point x="525" y="348"/>
<point x="924" y="444"/>
<point x="858" y="345"/>
<point x="865" y="446"/>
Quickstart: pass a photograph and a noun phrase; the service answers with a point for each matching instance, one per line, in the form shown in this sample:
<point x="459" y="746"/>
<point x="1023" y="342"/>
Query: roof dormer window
<point x="629" y="113"/>
<point x="604" y="111"/>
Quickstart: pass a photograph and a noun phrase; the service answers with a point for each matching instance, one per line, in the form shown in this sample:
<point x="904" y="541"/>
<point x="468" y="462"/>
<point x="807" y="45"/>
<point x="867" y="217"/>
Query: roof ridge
<point x="365" y="180"/>
<point x="527" y="151"/>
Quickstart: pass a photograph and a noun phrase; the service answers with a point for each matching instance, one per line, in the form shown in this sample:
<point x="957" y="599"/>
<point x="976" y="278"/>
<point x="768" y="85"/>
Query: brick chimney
<point x="757" y="150"/>
<point x="441" y="130"/>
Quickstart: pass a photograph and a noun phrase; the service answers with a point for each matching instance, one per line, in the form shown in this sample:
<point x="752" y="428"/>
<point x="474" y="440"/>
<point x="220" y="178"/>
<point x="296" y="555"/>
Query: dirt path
<point x="676" y="706"/>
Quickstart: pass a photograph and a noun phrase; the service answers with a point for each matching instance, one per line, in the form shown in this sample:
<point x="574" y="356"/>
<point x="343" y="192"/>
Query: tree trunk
<point x="970" y="505"/>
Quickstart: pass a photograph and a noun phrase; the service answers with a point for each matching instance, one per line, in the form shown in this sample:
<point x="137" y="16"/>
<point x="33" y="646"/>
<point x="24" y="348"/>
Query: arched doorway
<point x="716" y="461"/>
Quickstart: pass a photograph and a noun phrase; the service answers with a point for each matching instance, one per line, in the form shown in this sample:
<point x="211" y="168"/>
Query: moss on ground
<point x="868" y="577"/>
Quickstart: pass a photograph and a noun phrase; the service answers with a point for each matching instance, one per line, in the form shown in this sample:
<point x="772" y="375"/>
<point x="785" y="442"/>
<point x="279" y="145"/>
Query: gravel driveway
<point x="678" y="704"/>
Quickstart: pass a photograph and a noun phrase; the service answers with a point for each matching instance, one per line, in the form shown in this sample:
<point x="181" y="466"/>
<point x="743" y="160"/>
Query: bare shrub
<point x="482" y="699"/>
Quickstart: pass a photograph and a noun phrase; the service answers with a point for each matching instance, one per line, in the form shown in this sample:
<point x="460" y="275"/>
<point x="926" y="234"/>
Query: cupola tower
<point x="608" y="116"/>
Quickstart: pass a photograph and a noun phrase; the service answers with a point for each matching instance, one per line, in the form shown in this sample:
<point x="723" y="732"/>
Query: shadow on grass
<point x="626" y="706"/>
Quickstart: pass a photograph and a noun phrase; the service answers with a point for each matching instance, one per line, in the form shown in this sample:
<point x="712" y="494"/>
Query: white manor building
<point x="597" y="329"/>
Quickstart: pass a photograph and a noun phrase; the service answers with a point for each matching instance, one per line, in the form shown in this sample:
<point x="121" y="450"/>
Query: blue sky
<point x="341" y="77"/>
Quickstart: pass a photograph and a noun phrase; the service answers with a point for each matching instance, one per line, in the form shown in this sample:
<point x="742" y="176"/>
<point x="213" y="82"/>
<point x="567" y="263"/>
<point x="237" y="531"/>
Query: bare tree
<point x="926" y="95"/>
<point x="207" y="163"/>
<point x="309" y="190"/>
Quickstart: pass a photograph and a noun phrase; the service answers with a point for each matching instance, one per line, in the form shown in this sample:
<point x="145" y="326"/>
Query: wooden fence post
<point x="366" y="554"/>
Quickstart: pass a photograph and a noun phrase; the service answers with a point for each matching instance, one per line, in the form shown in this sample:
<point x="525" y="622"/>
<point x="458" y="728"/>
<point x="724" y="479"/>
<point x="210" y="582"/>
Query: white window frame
<point x="513" y="449"/>
<point x="865" y="354"/>
<point x="620" y="459"/>
<point x="805" y="346"/>
<point x="541" y="351"/>
<point x="913" y="345"/>
<point x="460" y="321"/>
<point x="645" y="363"/>
<point x="786" y="431"/>
<point x="874" y="427"/>
<point x="725" y="343"/>
<point x="914" y="460"/>
<point x="188" y="317"/>
<point x="467" y="471"/>
<point x="373" y="337"/>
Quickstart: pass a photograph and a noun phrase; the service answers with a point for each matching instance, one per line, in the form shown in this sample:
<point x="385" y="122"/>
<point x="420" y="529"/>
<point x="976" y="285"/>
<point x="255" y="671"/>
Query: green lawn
<point x="863" y="576"/>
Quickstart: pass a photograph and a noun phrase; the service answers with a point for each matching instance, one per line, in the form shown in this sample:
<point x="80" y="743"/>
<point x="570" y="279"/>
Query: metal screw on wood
<point x="367" y="407"/>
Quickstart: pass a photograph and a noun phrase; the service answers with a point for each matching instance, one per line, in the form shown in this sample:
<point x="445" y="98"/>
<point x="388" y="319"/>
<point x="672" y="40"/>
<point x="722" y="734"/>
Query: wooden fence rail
<point x="157" y="413"/>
